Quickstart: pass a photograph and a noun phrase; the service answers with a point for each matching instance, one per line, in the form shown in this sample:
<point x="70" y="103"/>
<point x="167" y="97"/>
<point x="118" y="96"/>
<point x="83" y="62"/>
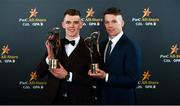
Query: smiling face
<point x="113" y="24"/>
<point x="72" y="25"/>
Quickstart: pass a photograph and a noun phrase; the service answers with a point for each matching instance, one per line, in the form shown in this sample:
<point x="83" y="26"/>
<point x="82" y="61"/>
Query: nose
<point x="109" y="25"/>
<point x="71" y="24"/>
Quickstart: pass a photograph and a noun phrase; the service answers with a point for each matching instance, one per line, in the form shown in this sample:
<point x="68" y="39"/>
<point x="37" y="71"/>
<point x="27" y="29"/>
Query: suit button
<point x="94" y="86"/>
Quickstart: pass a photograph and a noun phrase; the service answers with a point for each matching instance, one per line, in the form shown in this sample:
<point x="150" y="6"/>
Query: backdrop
<point x="25" y="24"/>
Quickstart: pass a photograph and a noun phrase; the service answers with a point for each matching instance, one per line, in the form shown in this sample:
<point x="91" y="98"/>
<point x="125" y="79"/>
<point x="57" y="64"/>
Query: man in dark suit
<point x="120" y="71"/>
<point x="70" y="83"/>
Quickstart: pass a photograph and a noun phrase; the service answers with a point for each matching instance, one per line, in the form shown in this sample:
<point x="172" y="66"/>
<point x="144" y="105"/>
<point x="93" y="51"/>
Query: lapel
<point x="116" y="49"/>
<point x="76" y="51"/>
<point x="102" y="50"/>
<point x="103" y="47"/>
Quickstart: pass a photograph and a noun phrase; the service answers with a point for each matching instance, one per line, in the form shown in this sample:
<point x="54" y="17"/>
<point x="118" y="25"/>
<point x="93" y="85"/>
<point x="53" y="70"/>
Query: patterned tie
<point x="108" y="49"/>
<point x="66" y="41"/>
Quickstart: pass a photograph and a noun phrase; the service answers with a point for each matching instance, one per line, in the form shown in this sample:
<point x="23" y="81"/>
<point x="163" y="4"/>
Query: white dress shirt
<point x="69" y="48"/>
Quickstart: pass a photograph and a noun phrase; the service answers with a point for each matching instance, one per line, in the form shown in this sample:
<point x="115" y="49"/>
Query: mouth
<point x="71" y="30"/>
<point x="110" y="30"/>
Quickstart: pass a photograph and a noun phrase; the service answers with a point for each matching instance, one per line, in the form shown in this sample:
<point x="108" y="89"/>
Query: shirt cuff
<point x="47" y="61"/>
<point x="70" y="77"/>
<point x="106" y="77"/>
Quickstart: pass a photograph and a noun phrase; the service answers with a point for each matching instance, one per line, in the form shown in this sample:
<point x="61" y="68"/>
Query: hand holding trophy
<point x="54" y="46"/>
<point x="92" y="43"/>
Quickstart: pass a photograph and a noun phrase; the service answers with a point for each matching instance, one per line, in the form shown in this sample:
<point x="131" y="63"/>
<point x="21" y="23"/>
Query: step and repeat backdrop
<point x="24" y="28"/>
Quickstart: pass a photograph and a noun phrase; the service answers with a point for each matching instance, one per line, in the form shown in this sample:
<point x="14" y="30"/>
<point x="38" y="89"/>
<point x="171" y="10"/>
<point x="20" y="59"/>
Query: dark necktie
<point x="108" y="49"/>
<point x="66" y="41"/>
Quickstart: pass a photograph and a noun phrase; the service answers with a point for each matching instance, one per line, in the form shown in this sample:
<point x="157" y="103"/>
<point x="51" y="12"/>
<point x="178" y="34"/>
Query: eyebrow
<point x="72" y="21"/>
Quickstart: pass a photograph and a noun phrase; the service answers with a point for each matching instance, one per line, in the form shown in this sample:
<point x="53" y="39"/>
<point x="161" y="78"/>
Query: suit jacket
<point x="80" y="89"/>
<point x="123" y="67"/>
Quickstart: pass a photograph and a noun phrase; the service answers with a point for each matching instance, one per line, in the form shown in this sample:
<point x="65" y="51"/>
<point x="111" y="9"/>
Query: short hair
<point x="72" y="12"/>
<point x="113" y="11"/>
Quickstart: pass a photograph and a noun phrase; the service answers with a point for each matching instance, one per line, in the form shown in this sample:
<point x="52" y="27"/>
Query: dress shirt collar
<point x="116" y="38"/>
<point x="75" y="39"/>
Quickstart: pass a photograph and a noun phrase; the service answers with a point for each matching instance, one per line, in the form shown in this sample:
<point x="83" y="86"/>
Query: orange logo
<point x="5" y="49"/>
<point x="90" y="12"/>
<point x="146" y="75"/>
<point x="33" y="76"/>
<point x="146" y="12"/>
<point x="174" y="49"/>
<point x="33" y="13"/>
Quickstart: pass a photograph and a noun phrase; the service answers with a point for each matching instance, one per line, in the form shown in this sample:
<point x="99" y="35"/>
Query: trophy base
<point x="94" y="66"/>
<point x="53" y="64"/>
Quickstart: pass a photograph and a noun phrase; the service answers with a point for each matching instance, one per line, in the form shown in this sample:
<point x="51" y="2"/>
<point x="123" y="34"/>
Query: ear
<point x="122" y="23"/>
<point x="63" y="24"/>
<point x="81" y="25"/>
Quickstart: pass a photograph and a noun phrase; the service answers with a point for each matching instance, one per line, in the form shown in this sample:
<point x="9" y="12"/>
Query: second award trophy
<point x="92" y="43"/>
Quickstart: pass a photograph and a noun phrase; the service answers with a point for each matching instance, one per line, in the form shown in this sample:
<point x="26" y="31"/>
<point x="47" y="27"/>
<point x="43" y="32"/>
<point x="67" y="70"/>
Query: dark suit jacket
<point x="80" y="89"/>
<point x="123" y="67"/>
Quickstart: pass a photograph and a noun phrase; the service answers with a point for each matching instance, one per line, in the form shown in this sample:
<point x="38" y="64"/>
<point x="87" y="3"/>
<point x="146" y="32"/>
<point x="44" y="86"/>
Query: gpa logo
<point x="146" y="19"/>
<point x="6" y="57"/>
<point x="146" y="81"/>
<point x="173" y="56"/>
<point x="90" y="20"/>
<point x="32" y="19"/>
<point x="32" y="83"/>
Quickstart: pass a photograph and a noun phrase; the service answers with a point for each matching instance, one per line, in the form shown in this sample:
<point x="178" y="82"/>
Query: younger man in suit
<point x="121" y="62"/>
<point x="70" y="83"/>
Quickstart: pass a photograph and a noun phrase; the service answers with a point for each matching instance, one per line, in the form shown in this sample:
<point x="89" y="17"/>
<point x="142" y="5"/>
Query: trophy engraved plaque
<point x="92" y="43"/>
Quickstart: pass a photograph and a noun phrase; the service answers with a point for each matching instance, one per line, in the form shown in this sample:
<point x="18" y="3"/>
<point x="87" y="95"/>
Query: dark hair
<point x="113" y="11"/>
<point x="72" y="12"/>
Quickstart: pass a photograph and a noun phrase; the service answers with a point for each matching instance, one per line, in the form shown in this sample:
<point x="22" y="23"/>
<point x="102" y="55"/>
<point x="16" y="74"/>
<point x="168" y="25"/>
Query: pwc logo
<point x="6" y="57"/>
<point x="146" y="19"/>
<point x="147" y="81"/>
<point x="32" y="19"/>
<point x="33" y="83"/>
<point x="173" y="56"/>
<point x="90" y="19"/>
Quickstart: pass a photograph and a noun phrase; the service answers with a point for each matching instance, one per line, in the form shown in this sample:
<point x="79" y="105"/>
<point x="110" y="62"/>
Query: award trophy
<point x="92" y="43"/>
<point x="55" y="45"/>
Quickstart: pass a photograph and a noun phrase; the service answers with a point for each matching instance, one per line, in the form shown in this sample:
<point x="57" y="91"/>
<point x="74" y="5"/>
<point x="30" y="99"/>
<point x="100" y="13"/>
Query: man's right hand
<point x="99" y="74"/>
<point x="59" y="72"/>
